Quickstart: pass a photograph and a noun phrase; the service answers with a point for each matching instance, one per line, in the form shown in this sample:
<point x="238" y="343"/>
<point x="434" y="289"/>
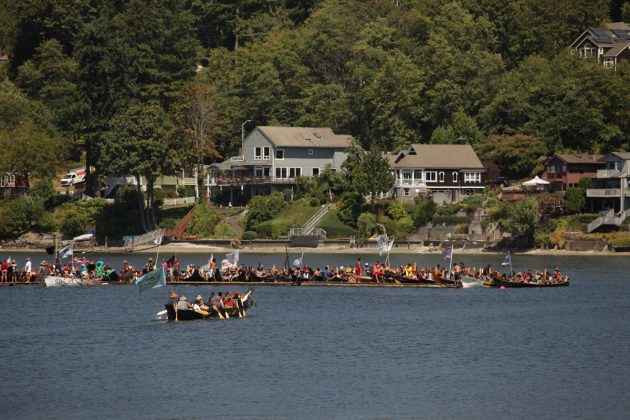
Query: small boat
<point x="469" y="282"/>
<point x="507" y="283"/>
<point x="246" y="300"/>
<point x="59" y="281"/>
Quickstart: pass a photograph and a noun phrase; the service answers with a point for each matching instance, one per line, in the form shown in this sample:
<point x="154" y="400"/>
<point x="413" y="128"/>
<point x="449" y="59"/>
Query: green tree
<point x="517" y="155"/>
<point x="422" y="211"/>
<point x="575" y="200"/>
<point x="138" y="138"/>
<point x="518" y="218"/>
<point x="367" y="225"/>
<point x="262" y="208"/>
<point x="349" y="207"/>
<point x="367" y="173"/>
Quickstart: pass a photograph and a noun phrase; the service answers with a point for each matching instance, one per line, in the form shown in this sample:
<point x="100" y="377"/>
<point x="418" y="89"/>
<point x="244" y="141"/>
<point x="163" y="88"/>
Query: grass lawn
<point x="297" y="213"/>
<point x="334" y="227"/>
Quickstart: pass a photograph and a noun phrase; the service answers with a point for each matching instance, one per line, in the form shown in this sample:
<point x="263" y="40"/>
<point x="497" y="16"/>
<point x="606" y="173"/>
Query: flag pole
<point x="450" y="265"/>
<point x="510" y="259"/>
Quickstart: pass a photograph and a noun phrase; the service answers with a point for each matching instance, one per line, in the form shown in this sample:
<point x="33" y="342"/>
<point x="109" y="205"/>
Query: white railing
<point x="321" y="233"/>
<point x="608" y="173"/>
<point x="409" y="182"/>
<point x="608" y="218"/>
<point x="143" y="239"/>
<point x="317" y="217"/>
<point x="179" y="201"/>
<point x="237" y="158"/>
<point x="603" y="192"/>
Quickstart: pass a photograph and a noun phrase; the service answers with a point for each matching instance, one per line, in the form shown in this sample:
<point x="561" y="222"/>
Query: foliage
<point x="367" y="173"/>
<point x="397" y="210"/>
<point x="398" y="228"/>
<point x="575" y="200"/>
<point x="349" y="208"/>
<point x="21" y="215"/>
<point x="203" y="222"/>
<point x="518" y="218"/>
<point x="517" y="155"/>
<point x="224" y="231"/>
<point x="366" y="224"/>
<point x="77" y="217"/>
<point x="280" y="227"/>
<point x="168" y="222"/>
<point x="422" y="211"/>
<point x="44" y="191"/>
<point x="248" y="235"/>
<point x="262" y="208"/>
<point x="335" y="228"/>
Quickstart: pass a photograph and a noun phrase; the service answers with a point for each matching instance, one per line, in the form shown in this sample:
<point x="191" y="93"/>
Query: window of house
<point x="310" y="152"/>
<point x="406" y="192"/>
<point x="295" y="172"/>
<point x="472" y="177"/>
<point x="258" y="153"/>
<point x="281" y="173"/>
<point x="315" y="172"/>
<point x="441" y="176"/>
<point x="609" y="62"/>
<point x="431" y="176"/>
<point x="455" y="175"/>
<point x="280" y="154"/>
<point x="258" y="171"/>
<point x="266" y="171"/>
<point x="266" y="152"/>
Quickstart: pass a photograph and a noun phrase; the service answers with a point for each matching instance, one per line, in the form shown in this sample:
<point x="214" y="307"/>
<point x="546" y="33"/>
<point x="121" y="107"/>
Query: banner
<point x="66" y="252"/>
<point x="154" y="278"/>
<point x="507" y="260"/>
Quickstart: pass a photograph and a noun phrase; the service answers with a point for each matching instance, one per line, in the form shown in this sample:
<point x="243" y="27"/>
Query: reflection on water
<point x="319" y="352"/>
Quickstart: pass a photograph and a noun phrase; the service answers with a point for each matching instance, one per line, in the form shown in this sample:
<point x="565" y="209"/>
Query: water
<point x="326" y="352"/>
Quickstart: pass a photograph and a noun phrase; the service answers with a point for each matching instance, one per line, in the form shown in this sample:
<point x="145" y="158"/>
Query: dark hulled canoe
<point x="522" y="284"/>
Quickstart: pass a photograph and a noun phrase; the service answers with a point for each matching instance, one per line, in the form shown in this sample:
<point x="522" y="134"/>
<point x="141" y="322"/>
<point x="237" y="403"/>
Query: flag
<point x="154" y="278"/>
<point x="233" y="256"/>
<point x="66" y="252"/>
<point x="286" y="259"/>
<point x="171" y="261"/>
<point x="447" y="253"/>
<point x="507" y="260"/>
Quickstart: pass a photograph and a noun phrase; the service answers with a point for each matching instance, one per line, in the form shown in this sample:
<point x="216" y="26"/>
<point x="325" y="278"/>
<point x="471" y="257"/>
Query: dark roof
<point x="577" y="158"/>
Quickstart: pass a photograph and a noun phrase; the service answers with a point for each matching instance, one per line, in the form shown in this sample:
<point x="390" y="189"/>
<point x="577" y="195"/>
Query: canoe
<point x="469" y="282"/>
<point x="522" y="284"/>
<point x="58" y="281"/>
<point x="246" y="300"/>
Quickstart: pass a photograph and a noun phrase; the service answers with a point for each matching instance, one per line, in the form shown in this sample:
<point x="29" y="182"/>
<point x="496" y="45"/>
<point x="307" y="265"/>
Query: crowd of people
<point x="218" y="304"/>
<point x="10" y="272"/>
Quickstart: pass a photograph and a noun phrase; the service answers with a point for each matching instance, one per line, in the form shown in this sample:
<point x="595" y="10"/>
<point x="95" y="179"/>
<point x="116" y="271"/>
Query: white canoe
<point x="58" y="281"/>
<point x="471" y="282"/>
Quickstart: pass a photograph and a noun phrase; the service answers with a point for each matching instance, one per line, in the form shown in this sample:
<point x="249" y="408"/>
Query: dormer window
<point x="280" y="154"/>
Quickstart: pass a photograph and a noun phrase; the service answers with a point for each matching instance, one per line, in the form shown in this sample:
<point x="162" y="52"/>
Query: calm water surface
<point x="324" y="352"/>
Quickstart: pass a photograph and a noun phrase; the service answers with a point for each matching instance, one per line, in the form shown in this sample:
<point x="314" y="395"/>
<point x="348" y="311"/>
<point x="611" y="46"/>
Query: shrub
<point x="335" y="228"/>
<point x="422" y="211"/>
<point x="350" y="205"/>
<point x="224" y="231"/>
<point x="366" y="224"/>
<point x="44" y="191"/>
<point x="397" y="210"/>
<point x="248" y="235"/>
<point x="575" y="200"/>
<point x="280" y="227"/>
<point x="314" y="202"/>
<point x="203" y="222"/>
<point x="264" y="229"/>
<point x="169" y="222"/>
<point x="263" y="208"/>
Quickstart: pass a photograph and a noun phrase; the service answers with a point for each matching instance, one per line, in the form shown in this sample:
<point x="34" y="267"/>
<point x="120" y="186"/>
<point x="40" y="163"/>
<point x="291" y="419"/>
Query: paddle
<point x="217" y="311"/>
<point x="161" y="313"/>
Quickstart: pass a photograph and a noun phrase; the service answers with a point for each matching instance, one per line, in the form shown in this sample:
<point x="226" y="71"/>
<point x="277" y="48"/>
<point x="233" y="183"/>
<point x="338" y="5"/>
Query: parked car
<point x="74" y="177"/>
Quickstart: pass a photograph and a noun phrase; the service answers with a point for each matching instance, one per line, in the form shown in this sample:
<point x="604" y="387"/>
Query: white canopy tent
<point x="535" y="182"/>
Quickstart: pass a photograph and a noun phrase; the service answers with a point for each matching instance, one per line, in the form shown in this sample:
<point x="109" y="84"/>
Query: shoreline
<point x="192" y="248"/>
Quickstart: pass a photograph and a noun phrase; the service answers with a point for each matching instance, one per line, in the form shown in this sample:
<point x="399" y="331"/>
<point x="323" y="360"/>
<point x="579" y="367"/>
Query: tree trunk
<point x="150" y="197"/>
<point x="141" y="204"/>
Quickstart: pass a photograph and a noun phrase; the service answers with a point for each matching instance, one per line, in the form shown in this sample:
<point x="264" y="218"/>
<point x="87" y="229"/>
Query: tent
<point x="535" y="182"/>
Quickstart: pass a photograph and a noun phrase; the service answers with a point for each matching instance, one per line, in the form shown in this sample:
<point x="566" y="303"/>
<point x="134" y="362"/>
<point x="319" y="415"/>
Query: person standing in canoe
<point x="357" y="267"/>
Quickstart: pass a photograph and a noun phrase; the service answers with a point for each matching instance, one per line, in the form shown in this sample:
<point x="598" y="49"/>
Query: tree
<point x="349" y="207"/>
<point x="262" y="208"/>
<point x="518" y="218"/>
<point x="518" y="155"/>
<point x="138" y="140"/>
<point x="575" y="200"/>
<point x="367" y="173"/>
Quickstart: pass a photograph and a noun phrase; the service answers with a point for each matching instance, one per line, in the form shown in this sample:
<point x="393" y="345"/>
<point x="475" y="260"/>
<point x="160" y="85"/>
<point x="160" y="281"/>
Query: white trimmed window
<point x="441" y="176"/>
<point x="430" y="176"/>
<point x="295" y="172"/>
<point x="455" y="176"/>
<point x="406" y="192"/>
<point x="280" y="154"/>
<point x="258" y="171"/>
<point x="315" y="172"/>
<point x="266" y="153"/>
<point x="257" y="153"/>
<point x="281" y="173"/>
<point x="310" y="152"/>
<point x="471" y="177"/>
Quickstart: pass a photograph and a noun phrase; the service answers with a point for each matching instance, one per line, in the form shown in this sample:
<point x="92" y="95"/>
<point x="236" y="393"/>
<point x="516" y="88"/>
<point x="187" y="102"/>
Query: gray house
<point x="610" y="193"/>
<point x="273" y="158"/>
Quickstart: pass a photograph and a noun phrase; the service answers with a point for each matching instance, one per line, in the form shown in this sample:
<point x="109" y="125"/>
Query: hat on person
<point x="172" y="293"/>
<point x="199" y="297"/>
<point x="182" y="297"/>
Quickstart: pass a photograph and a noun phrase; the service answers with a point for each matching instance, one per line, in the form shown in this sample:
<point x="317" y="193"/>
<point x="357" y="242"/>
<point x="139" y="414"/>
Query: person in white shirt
<point x="28" y="267"/>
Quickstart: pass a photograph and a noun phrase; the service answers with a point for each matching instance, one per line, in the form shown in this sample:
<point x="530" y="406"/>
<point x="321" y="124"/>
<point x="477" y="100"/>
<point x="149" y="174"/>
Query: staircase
<point x="178" y="231"/>
<point x="308" y="228"/>
<point x="608" y="218"/>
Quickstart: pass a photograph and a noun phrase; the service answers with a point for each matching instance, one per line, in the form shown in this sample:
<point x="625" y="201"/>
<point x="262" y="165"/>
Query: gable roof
<point x="622" y="155"/>
<point x="617" y="48"/>
<point x="578" y="158"/>
<point x="439" y="156"/>
<point x="311" y="137"/>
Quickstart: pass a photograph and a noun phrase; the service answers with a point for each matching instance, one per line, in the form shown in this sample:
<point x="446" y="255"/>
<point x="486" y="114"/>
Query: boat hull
<point x="58" y="281"/>
<point x="471" y="282"/>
